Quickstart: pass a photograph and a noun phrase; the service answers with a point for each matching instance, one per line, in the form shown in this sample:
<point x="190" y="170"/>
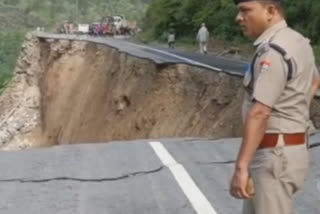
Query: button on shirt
<point x="268" y="83"/>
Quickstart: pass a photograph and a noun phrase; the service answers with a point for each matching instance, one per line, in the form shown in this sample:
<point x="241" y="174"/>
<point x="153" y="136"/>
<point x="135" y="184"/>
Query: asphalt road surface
<point x="163" y="176"/>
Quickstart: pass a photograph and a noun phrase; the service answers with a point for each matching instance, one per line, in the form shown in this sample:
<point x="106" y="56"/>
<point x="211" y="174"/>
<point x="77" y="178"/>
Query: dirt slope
<point x="74" y="92"/>
<point x="92" y="93"/>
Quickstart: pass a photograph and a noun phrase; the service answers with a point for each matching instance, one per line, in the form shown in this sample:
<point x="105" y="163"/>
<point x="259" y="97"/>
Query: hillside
<point x="52" y="11"/>
<point x="14" y="23"/>
<point x="13" y="18"/>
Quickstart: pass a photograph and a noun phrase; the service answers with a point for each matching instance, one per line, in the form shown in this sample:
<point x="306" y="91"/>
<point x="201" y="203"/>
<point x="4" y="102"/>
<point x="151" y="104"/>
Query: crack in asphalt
<point x="216" y="162"/>
<point x="98" y="180"/>
<point x="314" y="145"/>
<point x="311" y="146"/>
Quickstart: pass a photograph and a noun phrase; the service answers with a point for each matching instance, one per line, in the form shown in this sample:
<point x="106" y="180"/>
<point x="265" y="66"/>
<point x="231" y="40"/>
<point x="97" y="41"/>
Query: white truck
<point x="121" y="25"/>
<point x="83" y="29"/>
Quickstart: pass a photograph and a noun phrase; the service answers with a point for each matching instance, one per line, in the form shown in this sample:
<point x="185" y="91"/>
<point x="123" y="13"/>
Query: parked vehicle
<point x="108" y="26"/>
<point x="83" y="29"/>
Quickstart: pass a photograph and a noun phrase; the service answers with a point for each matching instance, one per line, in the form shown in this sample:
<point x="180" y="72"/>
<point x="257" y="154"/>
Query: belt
<point x="271" y="140"/>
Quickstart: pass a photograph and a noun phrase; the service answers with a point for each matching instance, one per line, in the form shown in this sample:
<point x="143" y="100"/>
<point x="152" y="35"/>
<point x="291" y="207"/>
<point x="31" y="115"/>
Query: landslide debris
<point x="66" y="92"/>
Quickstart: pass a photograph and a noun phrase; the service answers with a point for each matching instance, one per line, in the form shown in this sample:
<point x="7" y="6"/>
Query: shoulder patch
<point x="265" y="65"/>
<point x="265" y="62"/>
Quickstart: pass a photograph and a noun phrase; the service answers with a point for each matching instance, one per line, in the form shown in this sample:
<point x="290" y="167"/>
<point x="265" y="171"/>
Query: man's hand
<point x="239" y="183"/>
<point x="255" y="127"/>
<point x="315" y="85"/>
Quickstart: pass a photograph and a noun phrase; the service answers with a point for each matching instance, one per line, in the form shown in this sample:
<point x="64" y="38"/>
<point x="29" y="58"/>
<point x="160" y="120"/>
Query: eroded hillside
<point x="77" y="92"/>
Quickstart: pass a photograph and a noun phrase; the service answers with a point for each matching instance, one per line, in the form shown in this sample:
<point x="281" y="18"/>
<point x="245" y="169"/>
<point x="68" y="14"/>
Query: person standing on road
<point x="203" y="38"/>
<point x="171" y="38"/>
<point x="278" y="87"/>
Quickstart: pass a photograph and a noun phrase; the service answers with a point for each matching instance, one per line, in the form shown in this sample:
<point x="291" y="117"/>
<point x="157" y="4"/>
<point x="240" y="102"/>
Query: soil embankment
<point x="77" y="92"/>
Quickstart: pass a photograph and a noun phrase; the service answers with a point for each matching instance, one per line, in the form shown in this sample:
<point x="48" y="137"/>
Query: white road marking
<point x="197" y="199"/>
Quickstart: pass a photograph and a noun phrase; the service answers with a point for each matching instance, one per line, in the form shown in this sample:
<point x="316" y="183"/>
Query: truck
<point x="83" y="29"/>
<point x="109" y="26"/>
<point x="123" y="26"/>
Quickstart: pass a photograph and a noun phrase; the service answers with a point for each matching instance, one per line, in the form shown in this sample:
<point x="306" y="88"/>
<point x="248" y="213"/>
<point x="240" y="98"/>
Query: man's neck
<point x="273" y="22"/>
<point x="270" y="30"/>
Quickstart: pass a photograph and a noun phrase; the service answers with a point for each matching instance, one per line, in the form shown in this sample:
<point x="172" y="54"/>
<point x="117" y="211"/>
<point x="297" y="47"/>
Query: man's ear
<point x="272" y="10"/>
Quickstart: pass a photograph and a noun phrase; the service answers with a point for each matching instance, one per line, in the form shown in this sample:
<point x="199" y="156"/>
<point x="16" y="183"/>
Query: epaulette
<point x="285" y="58"/>
<point x="265" y="48"/>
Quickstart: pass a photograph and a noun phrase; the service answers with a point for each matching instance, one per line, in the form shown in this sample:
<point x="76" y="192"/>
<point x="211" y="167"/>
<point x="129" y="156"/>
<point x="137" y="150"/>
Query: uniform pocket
<point x="298" y="167"/>
<point x="270" y="162"/>
<point x="262" y="161"/>
<point x="280" y="163"/>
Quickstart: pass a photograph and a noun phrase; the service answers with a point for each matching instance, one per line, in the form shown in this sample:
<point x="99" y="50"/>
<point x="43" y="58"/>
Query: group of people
<point x="202" y="38"/>
<point x="102" y="29"/>
<point x="66" y="28"/>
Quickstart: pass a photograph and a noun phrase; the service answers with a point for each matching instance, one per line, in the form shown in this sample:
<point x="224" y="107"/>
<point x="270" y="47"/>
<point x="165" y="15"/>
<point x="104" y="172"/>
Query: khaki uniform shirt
<point x="271" y="83"/>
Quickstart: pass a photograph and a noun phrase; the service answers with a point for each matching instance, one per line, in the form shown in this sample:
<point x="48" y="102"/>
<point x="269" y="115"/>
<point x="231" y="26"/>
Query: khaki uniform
<point x="280" y="77"/>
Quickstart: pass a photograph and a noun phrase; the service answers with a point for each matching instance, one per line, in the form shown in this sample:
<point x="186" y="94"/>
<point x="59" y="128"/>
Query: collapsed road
<point x="169" y="173"/>
<point x="160" y="56"/>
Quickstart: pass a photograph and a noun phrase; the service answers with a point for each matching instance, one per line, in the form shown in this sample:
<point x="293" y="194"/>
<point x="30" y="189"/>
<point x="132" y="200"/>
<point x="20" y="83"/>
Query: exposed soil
<point x="92" y="93"/>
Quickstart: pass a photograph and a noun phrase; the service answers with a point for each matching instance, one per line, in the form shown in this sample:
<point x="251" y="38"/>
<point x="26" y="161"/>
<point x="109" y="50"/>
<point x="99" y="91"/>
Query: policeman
<point x="278" y="89"/>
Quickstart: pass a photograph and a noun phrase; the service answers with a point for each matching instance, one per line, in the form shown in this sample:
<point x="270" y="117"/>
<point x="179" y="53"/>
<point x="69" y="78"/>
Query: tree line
<point x="219" y="15"/>
<point x="52" y="11"/>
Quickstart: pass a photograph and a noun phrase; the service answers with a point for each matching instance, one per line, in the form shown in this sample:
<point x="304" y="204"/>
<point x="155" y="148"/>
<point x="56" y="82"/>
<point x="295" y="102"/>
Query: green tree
<point x="219" y="15"/>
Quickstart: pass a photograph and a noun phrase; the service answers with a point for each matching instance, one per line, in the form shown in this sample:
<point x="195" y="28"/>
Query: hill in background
<point x="85" y="11"/>
<point x="14" y="23"/>
<point x="13" y="18"/>
<point x="19" y="16"/>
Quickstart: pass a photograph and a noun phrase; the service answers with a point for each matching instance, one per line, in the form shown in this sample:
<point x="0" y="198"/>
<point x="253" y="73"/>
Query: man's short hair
<point x="273" y="1"/>
<point x="279" y="4"/>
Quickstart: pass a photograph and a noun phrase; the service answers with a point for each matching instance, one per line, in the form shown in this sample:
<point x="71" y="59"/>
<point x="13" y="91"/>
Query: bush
<point x="10" y="45"/>
<point x="186" y="17"/>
